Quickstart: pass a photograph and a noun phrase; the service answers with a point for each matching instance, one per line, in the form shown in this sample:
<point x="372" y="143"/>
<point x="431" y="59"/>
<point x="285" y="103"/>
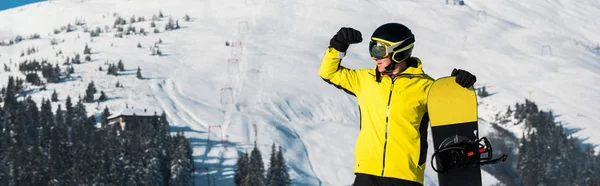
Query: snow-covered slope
<point x="266" y="88"/>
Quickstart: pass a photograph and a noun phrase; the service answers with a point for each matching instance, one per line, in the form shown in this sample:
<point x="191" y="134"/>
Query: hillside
<point x="264" y="86"/>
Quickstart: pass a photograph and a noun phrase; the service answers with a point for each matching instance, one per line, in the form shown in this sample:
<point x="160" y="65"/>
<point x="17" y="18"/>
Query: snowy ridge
<point x="264" y="87"/>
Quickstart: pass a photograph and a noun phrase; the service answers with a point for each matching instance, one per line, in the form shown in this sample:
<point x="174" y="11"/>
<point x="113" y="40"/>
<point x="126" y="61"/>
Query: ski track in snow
<point x="181" y="111"/>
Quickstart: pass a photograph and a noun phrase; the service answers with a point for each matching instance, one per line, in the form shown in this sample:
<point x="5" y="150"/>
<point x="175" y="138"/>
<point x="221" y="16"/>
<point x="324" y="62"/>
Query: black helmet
<point x="392" y="38"/>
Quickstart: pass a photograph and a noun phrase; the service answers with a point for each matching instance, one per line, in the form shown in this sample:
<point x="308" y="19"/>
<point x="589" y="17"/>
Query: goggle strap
<point x="408" y="42"/>
<point x="405" y="49"/>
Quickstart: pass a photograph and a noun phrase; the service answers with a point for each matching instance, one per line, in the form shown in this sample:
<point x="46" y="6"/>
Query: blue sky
<point x="6" y="4"/>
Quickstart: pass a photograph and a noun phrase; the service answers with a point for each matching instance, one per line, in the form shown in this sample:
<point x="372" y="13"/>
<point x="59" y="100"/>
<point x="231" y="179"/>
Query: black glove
<point x="464" y="78"/>
<point x="346" y="36"/>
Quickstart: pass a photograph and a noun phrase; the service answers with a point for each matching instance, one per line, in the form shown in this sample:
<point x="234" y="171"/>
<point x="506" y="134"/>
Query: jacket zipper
<point x="387" y="116"/>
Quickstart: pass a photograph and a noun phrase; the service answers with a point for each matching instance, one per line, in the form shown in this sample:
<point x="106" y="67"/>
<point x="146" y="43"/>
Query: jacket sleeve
<point x="332" y="72"/>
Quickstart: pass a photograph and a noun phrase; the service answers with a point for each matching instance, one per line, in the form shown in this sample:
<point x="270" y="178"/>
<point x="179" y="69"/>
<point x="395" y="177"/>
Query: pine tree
<point x="151" y="173"/>
<point x="47" y="123"/>
<point x="34" y="79"/>
<point x="482" y="92"/>
<point x="55" y="73"/>
<point x="102" y="96"/>
<point x="31" y="123"/>
<point x="10" y="95"/>
<point x="132" y="19"/>
<point x="257" y="169"/>
<point x="181" y="164"/>
<point x="277" y="174"/>
<point x="19" y="85"/>
<point x="139" y="73"/>
<point x="69" y="114"/>
<point x="112" y="70"/>
<point x="241" y="172"/>
<point x="89" y="92"/>
<point x="96" y="33"/>
<point x="59" y="150"/>
<point x="158" y="51"/>
<point x="77" y="59"/>
<point x="87" y="50"/>
<point x="4" y="166"/>
<point x="45" y="139"/>
<point x="105" y="115"/>
<point x="116" y="156"/>
<point x="121" y="66"/>
<point x="134" y="162"/>
<point x="170" y="25"/>
<point x="15" y="125"/>
<point x="164" y="138"/>
<point x="154" y="174"/>
<point x="82" y="129"/>
<point x="273" y="167"/>
<point x="98" y="157"/>
<point x="283" y="175"/>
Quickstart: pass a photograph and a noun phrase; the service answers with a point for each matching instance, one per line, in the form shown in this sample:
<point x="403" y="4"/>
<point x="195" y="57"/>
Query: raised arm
<point x="331" y="70"/>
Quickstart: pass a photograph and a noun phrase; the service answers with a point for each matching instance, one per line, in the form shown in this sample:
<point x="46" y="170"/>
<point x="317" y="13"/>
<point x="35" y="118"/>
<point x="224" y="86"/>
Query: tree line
<point x="42" y="146"/>
<point x="547" y="155"/>
<point x="250" y="169"/>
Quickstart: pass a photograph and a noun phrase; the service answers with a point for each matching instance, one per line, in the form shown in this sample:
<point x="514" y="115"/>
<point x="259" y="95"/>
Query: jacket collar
<point x="415" y="68"/>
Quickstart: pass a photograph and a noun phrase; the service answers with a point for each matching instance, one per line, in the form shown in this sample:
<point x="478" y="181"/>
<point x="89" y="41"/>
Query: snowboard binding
<point x="459" y="151"/>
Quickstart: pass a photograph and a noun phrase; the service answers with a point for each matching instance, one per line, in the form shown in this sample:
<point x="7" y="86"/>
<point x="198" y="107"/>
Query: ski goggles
<point x="379" y="49"/>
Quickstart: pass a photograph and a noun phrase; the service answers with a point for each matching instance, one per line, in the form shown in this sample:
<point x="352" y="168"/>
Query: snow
<point x="274" y="86"/>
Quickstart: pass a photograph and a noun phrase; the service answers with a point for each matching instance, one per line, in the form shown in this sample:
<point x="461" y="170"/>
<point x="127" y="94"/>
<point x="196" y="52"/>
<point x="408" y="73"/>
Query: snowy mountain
<point x="241" y="71"/>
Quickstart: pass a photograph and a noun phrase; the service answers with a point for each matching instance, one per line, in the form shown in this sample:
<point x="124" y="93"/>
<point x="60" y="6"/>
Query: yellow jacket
<point x="392" y="141"/>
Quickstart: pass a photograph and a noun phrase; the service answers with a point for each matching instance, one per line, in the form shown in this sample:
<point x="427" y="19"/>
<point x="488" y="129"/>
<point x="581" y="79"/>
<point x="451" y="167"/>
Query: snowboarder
<point x="392" y="142"/>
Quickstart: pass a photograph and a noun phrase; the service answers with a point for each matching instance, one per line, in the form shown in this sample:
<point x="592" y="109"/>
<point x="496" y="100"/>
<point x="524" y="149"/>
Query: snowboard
<point x="453" y="116"/>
